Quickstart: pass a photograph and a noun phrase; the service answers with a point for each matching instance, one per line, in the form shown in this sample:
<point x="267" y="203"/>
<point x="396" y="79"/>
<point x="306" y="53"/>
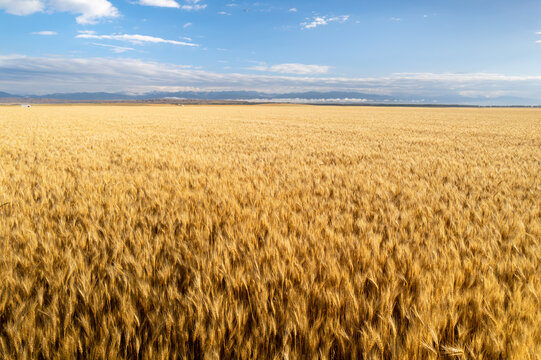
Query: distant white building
<point x="25" y="105"/>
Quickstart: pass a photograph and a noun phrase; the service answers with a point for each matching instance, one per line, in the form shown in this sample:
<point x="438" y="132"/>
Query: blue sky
<point x="415" y="48"/>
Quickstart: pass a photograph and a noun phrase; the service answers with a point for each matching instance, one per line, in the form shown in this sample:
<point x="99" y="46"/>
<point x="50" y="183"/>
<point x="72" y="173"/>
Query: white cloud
<point x="396" y="19"/>
<point x="224" y="13"/>
<point x="187" y="25"/>
<point x="91" y="11"/>
<point x="314" y="23"/>
<point x="293" y="10"/>
<point x="45" y="33"/>
<point x="323" y="20"/>
<point x="134" y="39"/>
<point x="160" y="3"/>
<point x="300" y="69"/>
<point x="22" y="7"/>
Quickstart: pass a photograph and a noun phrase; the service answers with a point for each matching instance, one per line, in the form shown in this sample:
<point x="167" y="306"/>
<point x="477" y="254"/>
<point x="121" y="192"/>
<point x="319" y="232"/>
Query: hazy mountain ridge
<point x="309" y="96"/>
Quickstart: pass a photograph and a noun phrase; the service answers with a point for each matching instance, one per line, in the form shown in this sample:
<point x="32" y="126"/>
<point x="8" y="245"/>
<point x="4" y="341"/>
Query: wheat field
<point x="269" y="232"/>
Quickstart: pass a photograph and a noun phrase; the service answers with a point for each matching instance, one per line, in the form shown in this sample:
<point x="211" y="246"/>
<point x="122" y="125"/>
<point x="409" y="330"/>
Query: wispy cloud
<point x="160" y="3"/>
<point x="193" y="5"/>
<point x="293" y="10"/>
<point x="301" y="69"/>
<point x="22" y="74"/>
<point x="464" y="77"/>
<point x="91" y="11"/>
<point x="323" y="20"/>
<point x="114" y="48"/>
<point x="224" y="13"/>
<point x="134" y="39"/>
<point x="45" y="33"/>
<point x="187" y="25"/>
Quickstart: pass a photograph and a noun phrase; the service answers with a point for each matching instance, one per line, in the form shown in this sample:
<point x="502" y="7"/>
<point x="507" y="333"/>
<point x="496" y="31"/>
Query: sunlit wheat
<point x="269" y="232"/>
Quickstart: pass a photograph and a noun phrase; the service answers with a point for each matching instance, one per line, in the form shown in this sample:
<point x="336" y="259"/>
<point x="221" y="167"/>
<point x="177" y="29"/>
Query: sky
<point x="418" y="48"/>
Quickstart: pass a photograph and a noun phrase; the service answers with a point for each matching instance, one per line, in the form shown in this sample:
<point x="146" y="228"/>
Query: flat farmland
<point x="270" y="232"/>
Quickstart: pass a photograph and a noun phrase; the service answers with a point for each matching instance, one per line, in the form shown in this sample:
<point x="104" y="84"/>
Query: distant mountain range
<point x="255" y="96"/>
<point x="211" y="95"/>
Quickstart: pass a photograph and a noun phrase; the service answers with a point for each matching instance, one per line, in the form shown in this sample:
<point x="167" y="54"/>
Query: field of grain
<point x="269" y="232"/>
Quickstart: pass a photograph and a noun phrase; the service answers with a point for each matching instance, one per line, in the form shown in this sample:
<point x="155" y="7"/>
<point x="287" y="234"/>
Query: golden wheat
<point x="270" y="232"/>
